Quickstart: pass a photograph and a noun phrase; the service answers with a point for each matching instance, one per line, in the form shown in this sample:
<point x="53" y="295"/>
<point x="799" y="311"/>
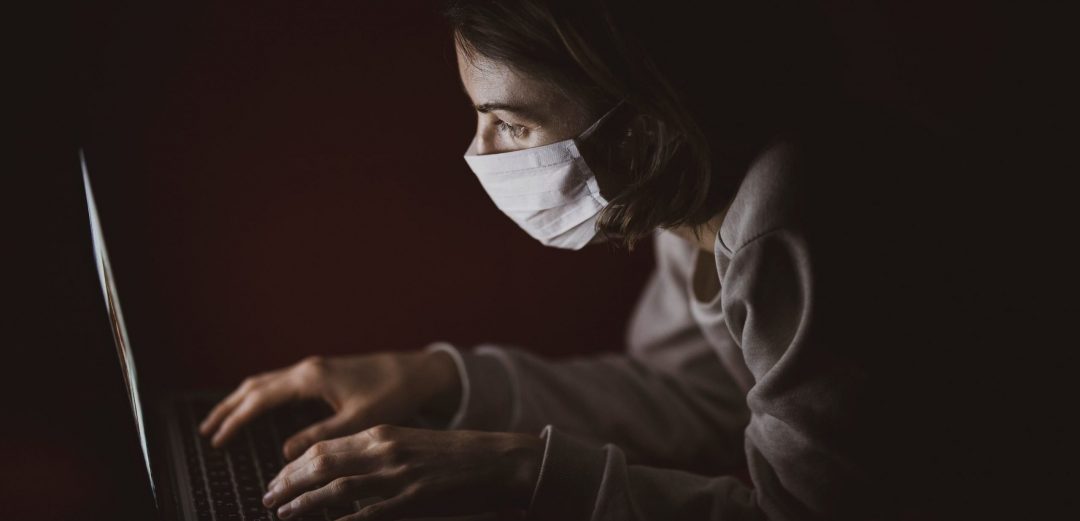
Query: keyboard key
<point x="233" y="479"/>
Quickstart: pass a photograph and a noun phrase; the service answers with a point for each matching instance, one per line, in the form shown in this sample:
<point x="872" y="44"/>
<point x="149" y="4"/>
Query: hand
<point x="363" y="391"/>
<point x="415" y="472"/>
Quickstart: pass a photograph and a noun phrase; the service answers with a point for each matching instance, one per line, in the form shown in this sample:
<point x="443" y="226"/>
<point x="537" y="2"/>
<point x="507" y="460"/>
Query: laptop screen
<point x="116" y="320"/>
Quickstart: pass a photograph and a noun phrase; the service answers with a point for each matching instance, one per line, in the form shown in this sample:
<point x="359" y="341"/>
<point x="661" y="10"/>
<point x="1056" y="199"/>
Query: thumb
<point x="333" y="427"/>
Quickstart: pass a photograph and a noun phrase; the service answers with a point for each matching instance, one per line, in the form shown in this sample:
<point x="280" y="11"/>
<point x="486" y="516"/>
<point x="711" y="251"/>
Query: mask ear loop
<point x="595" y="126"/>
<point x="582" y="142"/>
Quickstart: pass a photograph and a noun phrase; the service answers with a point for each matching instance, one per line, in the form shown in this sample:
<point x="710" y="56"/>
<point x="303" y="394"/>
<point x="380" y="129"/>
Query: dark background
<point x="278" y="179"/>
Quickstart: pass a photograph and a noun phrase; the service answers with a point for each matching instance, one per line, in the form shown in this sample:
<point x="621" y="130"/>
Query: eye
<point x="515" y="131"/>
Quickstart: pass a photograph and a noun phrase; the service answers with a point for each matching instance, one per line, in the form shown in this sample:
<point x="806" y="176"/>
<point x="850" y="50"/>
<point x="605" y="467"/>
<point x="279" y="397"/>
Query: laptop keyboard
<point x="228" y="484"/>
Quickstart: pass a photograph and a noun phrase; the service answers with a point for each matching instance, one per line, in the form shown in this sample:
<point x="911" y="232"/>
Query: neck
<point x="703" y="235"/>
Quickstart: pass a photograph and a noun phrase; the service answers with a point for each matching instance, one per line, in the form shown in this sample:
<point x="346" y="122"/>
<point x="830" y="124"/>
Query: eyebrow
<point x="520" y="110"/>
<point x="488" y="107"/>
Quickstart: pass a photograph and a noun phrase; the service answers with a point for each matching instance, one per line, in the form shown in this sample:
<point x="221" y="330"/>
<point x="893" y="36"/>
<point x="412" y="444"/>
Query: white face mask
<point x="548" y="190"/>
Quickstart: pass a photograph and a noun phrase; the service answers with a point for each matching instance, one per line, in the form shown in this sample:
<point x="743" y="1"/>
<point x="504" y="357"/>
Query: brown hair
<point x="704" y="88"/>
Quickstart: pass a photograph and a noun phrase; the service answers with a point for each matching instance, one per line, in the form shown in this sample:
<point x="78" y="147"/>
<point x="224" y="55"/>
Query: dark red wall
<point x="284" y="179"/>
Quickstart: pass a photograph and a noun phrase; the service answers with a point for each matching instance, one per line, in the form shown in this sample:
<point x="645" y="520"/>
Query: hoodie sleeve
<point x="669" y="403"/>
<point x="797" y="443"/>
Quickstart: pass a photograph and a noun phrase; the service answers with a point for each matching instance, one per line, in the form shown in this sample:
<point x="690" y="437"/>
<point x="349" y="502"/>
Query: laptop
<point x="189" y="479"/>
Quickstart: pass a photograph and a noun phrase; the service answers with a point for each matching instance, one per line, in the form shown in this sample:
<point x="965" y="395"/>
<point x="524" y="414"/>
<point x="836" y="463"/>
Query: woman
<point x="773" y="335"/>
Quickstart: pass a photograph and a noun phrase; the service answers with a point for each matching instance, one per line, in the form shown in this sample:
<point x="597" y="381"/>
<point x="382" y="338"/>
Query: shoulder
<point x="766" y="199"/>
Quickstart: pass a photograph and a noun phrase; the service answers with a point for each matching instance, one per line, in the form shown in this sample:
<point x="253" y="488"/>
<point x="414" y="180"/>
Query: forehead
<point x="486" y="81"/>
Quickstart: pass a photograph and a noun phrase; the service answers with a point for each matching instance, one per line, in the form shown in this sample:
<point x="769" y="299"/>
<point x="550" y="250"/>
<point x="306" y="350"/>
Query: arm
<point x="669" y="403"/>
<point x="798" y="442"/>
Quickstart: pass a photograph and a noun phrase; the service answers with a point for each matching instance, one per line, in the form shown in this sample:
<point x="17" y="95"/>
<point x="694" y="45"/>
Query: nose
<point x="486" y="138"/>
<point x="482" y="145"/>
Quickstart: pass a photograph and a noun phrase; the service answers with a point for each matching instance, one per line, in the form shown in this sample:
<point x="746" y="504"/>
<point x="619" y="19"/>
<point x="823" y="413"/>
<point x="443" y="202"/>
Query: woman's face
<point x="514" y="112"/>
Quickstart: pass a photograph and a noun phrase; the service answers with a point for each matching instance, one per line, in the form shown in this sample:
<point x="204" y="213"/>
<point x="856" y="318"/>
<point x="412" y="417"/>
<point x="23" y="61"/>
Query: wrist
<point x="439" y="375"/>
<point x="526" y="456"/>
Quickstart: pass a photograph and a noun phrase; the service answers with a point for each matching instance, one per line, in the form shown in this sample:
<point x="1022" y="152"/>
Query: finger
<point x="338" y="492"/>
<point x="221" y="410"/>
<point x="255" y="403"/>
<point x="332" y="446"/>
<point x="334" y="427"/>
<point x="318" y="471"/>
<point x="213" y="419"/>
<point x="397" y="507"/>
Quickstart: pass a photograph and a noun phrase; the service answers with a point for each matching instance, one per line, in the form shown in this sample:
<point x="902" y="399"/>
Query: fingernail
<point x="268" y="499"/>
<point x="285" y="511"/>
